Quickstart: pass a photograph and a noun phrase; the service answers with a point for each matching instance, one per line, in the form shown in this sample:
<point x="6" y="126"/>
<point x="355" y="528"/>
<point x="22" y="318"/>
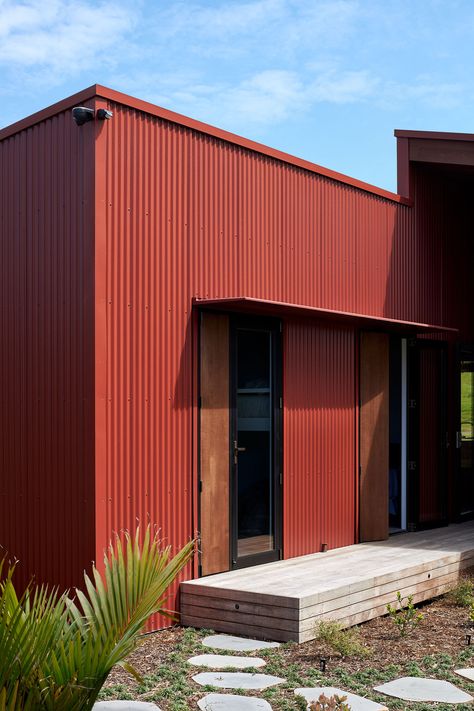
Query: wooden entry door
<point x="427" y="435"/>
<point x="255" y="441"/>
<point x="214" y="485"/>
<point x="374" y="436"/>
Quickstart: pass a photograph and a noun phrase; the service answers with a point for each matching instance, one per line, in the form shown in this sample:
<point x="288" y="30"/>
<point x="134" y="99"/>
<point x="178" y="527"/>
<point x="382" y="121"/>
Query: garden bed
<point x="436" y="647"/>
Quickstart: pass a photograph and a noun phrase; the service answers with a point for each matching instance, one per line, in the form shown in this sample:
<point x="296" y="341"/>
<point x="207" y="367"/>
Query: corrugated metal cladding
<point x="46" y="351"/>
<point x="319" y="437"/>
<point x="190" y="215"/>
<point x="108" y="233"/>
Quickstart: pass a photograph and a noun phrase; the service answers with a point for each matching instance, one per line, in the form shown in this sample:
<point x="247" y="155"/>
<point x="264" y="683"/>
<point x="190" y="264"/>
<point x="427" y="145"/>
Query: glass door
<point x="255" y="443"/>
<point x="465" y="433"/>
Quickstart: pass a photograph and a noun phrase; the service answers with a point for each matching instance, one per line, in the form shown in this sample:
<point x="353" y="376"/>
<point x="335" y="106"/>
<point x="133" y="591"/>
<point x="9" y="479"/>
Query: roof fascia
<point x="434" y="135"/>
<point x="97" y="90"/>
<point x="49" y="111"/>
<point x="173" y="117"/>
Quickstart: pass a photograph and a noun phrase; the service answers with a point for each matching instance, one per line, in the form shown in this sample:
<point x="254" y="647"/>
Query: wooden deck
<point x="284" y="600"/>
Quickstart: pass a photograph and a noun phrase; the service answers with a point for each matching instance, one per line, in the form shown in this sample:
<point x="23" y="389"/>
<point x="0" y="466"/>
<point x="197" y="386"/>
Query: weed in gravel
<point x="404" y="615"/>
<point x="345" y="642"/>
<point x="463" y="594"/>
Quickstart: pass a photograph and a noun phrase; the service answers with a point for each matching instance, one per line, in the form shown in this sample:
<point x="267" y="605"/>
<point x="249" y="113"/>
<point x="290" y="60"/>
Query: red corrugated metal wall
<point x="190" y="215"/>
<point x="319" y="437"/>
<point x="46" y="351"/>
<point x="178" y="214"/>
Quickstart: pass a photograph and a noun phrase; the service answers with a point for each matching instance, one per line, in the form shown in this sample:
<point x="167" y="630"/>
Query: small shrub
<point x="471" y="611"/>
<point x="345" y="642"/>
<point x="404" y="615"/>
<point x="332" y="703"/>
<point x="463" y="594"/>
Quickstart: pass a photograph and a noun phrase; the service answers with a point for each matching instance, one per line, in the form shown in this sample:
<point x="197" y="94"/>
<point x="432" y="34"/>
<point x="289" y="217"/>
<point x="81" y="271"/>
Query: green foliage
<point x="471" y="611"/>
<point x="462" y="594"/>
<point x="332" y="703"/>
<point x="57" y="651"/>
<point x="404" y="615"/>
<point x="345" y="642"/>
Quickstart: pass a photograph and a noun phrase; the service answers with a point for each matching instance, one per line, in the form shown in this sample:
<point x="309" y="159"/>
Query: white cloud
<point x="59" y="37"/>
<point x="424" y="90"/>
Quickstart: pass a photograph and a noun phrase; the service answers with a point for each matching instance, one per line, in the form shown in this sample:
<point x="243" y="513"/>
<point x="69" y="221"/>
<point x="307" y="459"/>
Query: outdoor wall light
<point x="104" y="114"/>
<point x="82" y="114"/>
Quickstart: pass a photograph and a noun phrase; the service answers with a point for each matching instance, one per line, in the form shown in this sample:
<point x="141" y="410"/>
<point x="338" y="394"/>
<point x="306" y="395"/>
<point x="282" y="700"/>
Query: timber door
<point x="465" y="434"/>
<point x="255" y="442"/>
<point x="427" y="435"/>
<point x="214" y="422"/>
<point x="374" y="436"/>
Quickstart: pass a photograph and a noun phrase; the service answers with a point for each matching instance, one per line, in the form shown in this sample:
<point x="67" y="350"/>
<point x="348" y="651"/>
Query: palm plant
<point x="56" y="651"/>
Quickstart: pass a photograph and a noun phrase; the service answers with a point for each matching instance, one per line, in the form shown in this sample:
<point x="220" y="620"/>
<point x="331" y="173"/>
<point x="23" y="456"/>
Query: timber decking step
<point x="284" y="600"/>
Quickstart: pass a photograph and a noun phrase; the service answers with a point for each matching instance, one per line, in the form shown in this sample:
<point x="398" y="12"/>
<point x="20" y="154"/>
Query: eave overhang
<point x="250" y="305"/>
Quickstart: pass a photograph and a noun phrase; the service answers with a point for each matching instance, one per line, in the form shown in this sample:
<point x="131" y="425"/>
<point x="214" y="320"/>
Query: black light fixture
<point x="104" y="114"/>
<point x="322" y="664"/>
<point x="468" y="639"/>
<point x="82" y="114"/>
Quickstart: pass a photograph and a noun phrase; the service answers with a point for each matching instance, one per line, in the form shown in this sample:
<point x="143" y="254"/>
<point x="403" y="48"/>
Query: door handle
<point x="237" y="449"/>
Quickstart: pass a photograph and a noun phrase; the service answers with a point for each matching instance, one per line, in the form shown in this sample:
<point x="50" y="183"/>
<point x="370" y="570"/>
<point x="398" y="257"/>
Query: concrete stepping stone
<point x="356" y="703"/>
<point x="412" y="688"/>
<point x="231" y="702"/>
<point x="236" y="644"/>
<point x="466" y="673"/>
<point x="221" y="661"/>
<point x="237" y="680"/>
<point x="124" y="706"/>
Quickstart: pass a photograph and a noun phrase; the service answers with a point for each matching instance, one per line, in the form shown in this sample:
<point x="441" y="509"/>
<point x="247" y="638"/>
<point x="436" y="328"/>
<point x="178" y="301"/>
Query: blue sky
<point x="327" y="80"/>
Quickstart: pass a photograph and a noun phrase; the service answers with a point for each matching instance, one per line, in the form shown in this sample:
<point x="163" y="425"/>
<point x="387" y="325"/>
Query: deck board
<point x="284" y="600"/>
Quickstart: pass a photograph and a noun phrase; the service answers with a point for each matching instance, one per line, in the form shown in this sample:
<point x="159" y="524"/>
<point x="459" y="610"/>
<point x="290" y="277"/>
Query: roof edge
<point x="42" y="114"/>
<point x="201" y="127"/>
<point x="434" y="135"/>
<point x="98" y="90"/>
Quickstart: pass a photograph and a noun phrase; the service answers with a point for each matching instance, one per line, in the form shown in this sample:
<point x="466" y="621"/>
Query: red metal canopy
<point x="246" y="304"/>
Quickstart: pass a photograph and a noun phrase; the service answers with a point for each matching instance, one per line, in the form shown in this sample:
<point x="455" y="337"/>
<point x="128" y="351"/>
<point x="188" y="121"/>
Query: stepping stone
<point x="356" y="703"/>
<point x="466" y="673"/>
<point x="231" y="702"/>
<point x="237" y="680"/>
<point x="412" y="688"/>
<point x="124" y="706"/>
<point x="236" y="644"/>
<point x="220" y="661"/>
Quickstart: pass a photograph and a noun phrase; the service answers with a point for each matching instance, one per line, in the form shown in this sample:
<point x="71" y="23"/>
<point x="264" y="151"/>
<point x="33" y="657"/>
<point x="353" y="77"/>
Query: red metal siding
<point x="319" y="437"/>
<point x="99" y="349"/>
<point x="190" y="215"/>
<point x="46" y="351"/>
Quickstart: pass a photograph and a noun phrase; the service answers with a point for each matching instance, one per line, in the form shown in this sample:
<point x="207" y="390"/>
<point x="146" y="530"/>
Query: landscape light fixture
<point x="322" y="664"/>
<point x="82" y="114"/>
